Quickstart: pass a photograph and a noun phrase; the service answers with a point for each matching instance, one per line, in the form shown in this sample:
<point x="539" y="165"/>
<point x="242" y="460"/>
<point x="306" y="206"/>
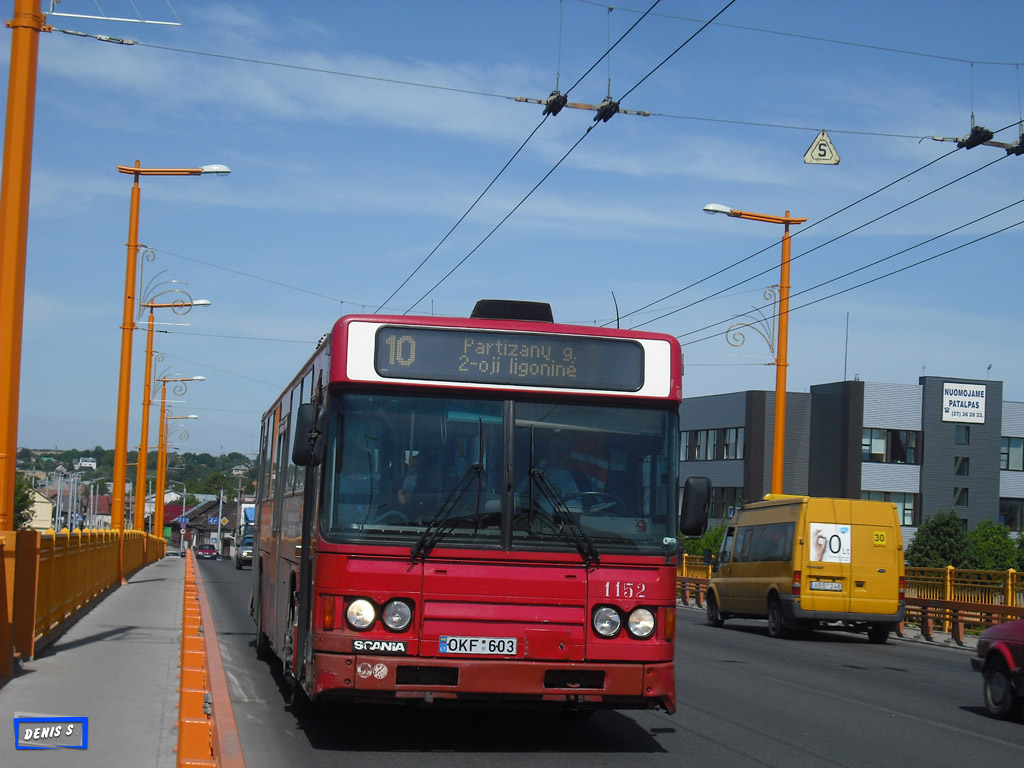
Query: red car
<point x="206" y="551"/>
<point x="1000" y="660"/>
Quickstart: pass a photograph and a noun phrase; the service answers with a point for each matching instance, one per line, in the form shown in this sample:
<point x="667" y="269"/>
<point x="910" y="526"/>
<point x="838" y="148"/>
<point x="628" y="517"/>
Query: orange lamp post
<point x="181" y="307"/>
<point x="117" y="508"/>
<point x="25" y="27"/>
<point x="782" y="349"/>
<point x="161" y="461"/>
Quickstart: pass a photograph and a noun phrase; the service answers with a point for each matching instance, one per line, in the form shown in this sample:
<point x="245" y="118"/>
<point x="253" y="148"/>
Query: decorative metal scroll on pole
<point x="757" y="321"/>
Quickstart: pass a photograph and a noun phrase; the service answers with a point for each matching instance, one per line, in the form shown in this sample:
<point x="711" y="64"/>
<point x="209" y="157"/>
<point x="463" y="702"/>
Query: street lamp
<point x="180" y="387"/>
<point x="181" y="306"/>
<point x="781" y="363"/>
<point x="127" y="326"/>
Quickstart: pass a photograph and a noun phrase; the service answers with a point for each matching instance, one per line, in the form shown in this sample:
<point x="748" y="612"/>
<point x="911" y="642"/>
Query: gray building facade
<point x="944" y="443"/>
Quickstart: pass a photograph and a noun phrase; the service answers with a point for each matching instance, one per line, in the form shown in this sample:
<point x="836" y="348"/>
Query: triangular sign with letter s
<point x="821" y="151"/>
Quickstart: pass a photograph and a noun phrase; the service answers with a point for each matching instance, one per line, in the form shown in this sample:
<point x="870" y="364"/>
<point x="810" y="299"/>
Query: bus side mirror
<point x="709" y="558"/>
<point x="310" y="425"/>
<point x="693" y="509"/>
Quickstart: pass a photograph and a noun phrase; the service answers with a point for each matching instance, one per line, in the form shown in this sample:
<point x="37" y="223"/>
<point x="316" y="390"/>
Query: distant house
<point x="239" y="470"/>
<point x="42" y="512"/>
<point x="84" y="462"/>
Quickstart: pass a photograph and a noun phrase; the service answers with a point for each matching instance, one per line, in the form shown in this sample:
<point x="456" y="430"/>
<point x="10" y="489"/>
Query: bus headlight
<point x="360" y="614"/>
<point x="396" y="615"/>
<point x="641" y="623"/>
<point x="607" y="621"/>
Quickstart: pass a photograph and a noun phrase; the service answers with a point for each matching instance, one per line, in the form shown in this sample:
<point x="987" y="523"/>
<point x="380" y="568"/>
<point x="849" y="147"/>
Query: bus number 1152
<point x="627" y="590"/>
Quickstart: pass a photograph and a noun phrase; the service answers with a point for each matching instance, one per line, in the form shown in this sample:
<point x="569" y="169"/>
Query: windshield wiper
<point x="432" y="533"/>
<point x="567" y="522"/>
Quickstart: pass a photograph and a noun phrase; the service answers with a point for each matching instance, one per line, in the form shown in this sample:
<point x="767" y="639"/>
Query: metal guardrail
<point x="48" y="579"/>
<point x="957" y="600"/>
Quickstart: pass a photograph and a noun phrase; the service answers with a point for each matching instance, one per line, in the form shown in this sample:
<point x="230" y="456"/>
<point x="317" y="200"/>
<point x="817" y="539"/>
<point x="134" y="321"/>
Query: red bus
<point x="482" y="510"/>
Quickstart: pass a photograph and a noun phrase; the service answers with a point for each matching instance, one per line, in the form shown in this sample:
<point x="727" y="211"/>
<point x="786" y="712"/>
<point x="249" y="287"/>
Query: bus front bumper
<point x="499" y="681"/>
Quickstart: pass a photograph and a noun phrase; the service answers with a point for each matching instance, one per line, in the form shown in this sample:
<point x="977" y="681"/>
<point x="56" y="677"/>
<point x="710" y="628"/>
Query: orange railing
<point x="48" y="578"/>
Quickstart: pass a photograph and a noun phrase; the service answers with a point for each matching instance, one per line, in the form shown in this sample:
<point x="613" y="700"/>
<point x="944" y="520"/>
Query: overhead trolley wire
<point x="827" y="242"/>
<point x="815" y="38"/>
<point x="879" y="277"/>
<point x="499" y="174"/>
<point x="488" y="94"/>
<point x="798" y="233"/>
<point x="573" y="147"/>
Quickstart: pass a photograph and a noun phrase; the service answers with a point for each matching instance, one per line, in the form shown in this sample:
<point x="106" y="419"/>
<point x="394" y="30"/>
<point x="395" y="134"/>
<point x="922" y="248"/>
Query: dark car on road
<point x="206" y="551"/>
<point x="1000" y="660"/>
<point x="243" y="555"/>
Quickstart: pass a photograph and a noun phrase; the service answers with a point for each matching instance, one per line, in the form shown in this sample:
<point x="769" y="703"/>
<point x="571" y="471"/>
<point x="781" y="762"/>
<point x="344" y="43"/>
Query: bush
<point x="991" y="548"/>
<point x="711" y="539"/>
<point x="940" y="541"/>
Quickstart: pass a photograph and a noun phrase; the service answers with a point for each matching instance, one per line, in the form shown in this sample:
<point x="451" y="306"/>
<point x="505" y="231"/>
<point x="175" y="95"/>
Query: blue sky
<point x="347" y="172"/>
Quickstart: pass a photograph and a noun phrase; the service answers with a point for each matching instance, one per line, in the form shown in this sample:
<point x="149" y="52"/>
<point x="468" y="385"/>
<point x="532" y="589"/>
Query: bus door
<point x="281" y="559"/>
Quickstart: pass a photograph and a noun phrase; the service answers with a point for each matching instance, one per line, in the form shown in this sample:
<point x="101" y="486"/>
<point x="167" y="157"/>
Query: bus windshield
<point x="420" y="472"/>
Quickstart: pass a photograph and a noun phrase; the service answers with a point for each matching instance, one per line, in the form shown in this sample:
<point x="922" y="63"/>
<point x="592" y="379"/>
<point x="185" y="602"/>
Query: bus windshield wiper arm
<point x="561" y="514"/>
<point x="433" y="531"/>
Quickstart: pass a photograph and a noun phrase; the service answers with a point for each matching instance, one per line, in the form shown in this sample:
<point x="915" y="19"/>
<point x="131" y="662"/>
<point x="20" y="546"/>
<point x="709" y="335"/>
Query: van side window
<point x="775" y="542"/>
<point x="744" y="539"/>
<point x="725" y="552"/>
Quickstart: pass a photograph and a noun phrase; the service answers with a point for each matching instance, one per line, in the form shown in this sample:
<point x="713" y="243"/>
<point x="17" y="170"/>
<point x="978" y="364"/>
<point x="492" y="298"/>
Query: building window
<point x="904" y="506"/>
<point x="705" y="444"/>
<point x="905" y="503"/>
<point x="1011" y="453"/>
<point x="961" y="466"/>
<point x="891" y="446"/>
<point x="732" y="498"/>
<point x="1010" y="513"/>
<point x="733" y="447"/>
<point x="961" y="498"/>
<point x="684" y="447"/>
<point x="962" y="434"/>
<point x="901" y="446"/>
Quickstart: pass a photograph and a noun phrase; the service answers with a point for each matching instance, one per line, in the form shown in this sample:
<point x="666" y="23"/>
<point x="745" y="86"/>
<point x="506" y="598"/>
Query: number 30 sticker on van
<point x="830" y="543"/>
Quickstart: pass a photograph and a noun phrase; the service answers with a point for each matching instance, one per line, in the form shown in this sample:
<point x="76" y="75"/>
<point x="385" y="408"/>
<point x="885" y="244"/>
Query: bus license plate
<point x="827" y="586"/>
<point x="486" y="646"/>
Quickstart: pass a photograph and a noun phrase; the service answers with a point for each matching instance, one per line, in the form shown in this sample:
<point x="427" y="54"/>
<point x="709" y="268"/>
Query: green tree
<point x="991" y="548"/>
<point x="22" y="502"/>
<point x="940" y="541"/>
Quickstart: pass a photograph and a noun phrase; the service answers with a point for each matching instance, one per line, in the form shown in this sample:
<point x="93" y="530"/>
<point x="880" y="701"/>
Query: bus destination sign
<point x="505" y="358"/>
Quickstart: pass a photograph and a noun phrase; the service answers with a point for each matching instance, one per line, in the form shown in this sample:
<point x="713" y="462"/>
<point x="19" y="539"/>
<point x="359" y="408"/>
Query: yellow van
<point x="805" y="563"/>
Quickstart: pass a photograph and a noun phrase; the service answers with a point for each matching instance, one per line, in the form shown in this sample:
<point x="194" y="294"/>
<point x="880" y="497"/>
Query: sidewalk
<point x="118" y="666"/>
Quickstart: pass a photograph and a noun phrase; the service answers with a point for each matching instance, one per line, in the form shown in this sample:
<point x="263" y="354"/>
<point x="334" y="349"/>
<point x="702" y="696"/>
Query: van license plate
<point x="486" y="646"/>
<point x="827" y="586"/>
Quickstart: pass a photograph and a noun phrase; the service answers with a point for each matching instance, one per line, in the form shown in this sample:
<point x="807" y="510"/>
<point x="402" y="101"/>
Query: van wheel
<point x="776" y="626"/>
<point x="715" y="618"/>
<point x="878" y="633"/>
<point x="1001" y="700"/>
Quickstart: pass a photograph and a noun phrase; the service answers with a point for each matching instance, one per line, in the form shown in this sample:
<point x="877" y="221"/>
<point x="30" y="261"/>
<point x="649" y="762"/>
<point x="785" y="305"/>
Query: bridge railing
<point x="955" y="599"/>
<point x="48" y="579"/>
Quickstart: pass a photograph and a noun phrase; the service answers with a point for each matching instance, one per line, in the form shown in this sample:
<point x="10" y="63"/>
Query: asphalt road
<point x="744" y="700"/>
